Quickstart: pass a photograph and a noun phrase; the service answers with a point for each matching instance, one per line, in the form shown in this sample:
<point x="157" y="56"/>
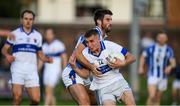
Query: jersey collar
<point x="22" y="30"/>
<point x="102" y="48"/>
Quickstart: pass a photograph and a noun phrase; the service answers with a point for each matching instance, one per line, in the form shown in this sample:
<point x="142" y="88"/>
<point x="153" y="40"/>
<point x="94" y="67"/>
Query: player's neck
<point x="102" y="31"/>
<point x="97" y="51"/>
<point x="161" y="45"/>
<point x="27" y="29"/>
<point x="50" y="41"/>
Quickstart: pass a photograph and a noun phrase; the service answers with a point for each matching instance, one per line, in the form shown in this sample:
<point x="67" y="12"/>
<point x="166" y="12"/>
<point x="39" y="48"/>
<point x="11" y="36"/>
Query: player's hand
<point x="10" y="58"/>
<point x="72" y="61"/>
<point x="95" y="71"/>
<point x="11" y="37"/>
<point x="49" y="60"/>
<point x="168" y="70"/>
<point x="117" y="64"/>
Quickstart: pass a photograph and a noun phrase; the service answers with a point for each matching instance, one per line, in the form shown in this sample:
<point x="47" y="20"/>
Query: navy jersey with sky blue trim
<point x="157" y="59"/>
<point x="25" y="46"/>
<point x="109" y="74"/>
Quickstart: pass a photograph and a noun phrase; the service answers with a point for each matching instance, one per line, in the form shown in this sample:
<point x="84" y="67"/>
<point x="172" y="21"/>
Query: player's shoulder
<point x="85" y="50"/>
<point x="169" y="47"/>
<point x="111" y="44"/>
<point x="57" y="41"/>
<point x="35" y="31"/>
<point x="152" y="47"/>
<point x="17" y="30"/>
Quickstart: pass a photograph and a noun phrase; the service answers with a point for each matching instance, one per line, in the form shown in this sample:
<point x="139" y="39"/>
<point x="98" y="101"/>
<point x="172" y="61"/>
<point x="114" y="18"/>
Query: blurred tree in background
<point x="10" y="8"/>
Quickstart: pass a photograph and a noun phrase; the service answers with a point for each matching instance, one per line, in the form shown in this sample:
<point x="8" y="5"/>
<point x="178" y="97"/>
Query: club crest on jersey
<point x="35" y="40"/>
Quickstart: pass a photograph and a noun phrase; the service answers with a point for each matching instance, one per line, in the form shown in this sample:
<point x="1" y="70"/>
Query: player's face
<point x="27" y="20"/>
<point x="107" y="23"/>
<point x="93" y="43"/>
<point x="162" y="38"/>
<point x="49" y="35"/>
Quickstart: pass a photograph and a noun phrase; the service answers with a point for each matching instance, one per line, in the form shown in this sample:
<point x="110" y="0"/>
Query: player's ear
<point x="99" y="22"/>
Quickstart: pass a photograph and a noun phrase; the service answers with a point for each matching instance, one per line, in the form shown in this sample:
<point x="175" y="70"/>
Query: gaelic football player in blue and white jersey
<point x="54" y="48"/>
<point x="111" y="85"/>
<point x="71" y="77"/>
<point x="160" y="60"/>
<point x="25" y="48"/>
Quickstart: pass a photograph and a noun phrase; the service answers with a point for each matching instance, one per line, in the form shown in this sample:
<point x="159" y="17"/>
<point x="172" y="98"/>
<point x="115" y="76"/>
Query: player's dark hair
<point x="100" y="13"/>
<point x="90" y="33"/>
<point x="27" y="11"/>
<point x="161" y="31"/>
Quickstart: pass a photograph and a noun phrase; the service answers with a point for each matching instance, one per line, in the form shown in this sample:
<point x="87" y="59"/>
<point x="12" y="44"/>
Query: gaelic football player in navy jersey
<point x="160" y="60"/>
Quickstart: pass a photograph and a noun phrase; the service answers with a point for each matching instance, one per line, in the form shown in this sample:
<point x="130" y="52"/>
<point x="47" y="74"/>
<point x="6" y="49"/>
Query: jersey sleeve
<point x="81" y="40"/>
<point x="116" y="47"/>
<point x="39" y="44"/>
<point x="9" y="41"/>
<point x="171" y="53"/>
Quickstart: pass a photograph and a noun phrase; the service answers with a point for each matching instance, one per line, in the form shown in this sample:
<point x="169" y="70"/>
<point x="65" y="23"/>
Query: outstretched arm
<point x="7" y="33"/>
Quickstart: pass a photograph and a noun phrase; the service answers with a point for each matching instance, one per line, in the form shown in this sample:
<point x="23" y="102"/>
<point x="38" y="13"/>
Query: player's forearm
<point x="64" y="60"/>
<point x="40" y="65"/>
<point x="42" y="56"/>
<point x="4" y="51"/>
<point x="141" y="62"/>
<point x="2" y="33"/>
<point x="84" y="73"/>
<point x="130" y="59"/>
<point x="83" y="60"/>
<point x="172" y="63"/>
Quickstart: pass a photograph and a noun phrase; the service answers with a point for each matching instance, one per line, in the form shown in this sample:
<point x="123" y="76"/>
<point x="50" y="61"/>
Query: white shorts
<point x="51" y="77"/>
<point x="113" y="91"/>
<point x="69" y="78"/>
<point x="159" y="82"/>
<point x="28" y="80"/>
<point x="176" y="84"/>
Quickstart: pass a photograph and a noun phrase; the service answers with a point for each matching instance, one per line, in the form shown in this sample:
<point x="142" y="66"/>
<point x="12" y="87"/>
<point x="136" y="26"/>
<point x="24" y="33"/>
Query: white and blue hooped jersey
<point x="24" y="49"/>
<point x="54" y="50"/>
<point x="109" y="75"/>
<point x="157" y="59"/>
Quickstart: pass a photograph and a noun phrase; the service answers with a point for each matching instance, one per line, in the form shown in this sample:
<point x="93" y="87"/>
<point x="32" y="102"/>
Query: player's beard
<point x="107" y="29"/>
